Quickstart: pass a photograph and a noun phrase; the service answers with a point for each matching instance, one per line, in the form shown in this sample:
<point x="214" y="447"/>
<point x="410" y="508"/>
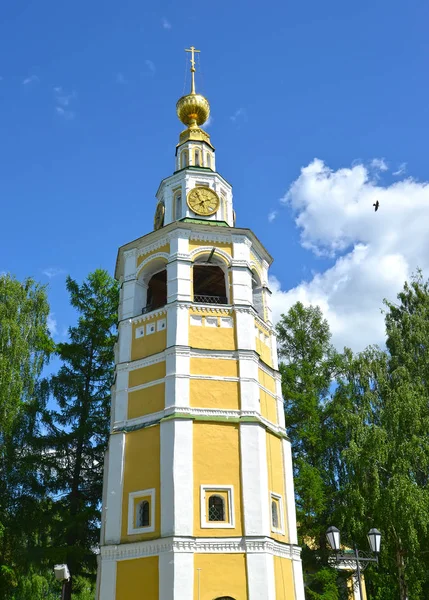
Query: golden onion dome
<point x="193" y="109"/>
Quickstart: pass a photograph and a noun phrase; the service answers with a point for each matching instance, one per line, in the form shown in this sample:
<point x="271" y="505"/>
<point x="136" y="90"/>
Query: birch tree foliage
<point x="25" y="344"/>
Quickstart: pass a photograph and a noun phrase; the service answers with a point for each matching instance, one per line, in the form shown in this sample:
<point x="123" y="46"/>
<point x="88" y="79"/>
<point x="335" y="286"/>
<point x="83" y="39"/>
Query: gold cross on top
<point x="192" y="50"/>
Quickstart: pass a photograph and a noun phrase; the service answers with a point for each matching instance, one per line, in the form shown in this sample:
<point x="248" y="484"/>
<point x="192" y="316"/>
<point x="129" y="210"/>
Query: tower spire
<point x="192" y="50"/>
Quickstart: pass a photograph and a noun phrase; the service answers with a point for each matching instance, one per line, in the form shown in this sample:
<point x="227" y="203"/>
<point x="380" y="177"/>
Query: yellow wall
<point x="284" y="578"/>
<point x="214" y="366"/>
<point x="146" y="374"/>
<point x="146" y="401"/>
<point x="226" y="247"/>
<point x="268" y="403"/>
<point x="220" y="575"/>
<point x="264" y="352"/>
<point x="148" y="344"/>
<point x="135" y="575"/>
<point x="268" y="406"/>
<point x="267" y="381"/>
<point x="165" y="248"/>
<point x="276" y="480"/>
<point x="206" y="393"/>
<point x="216" y="455"/>
<point x="214" y="338"/>
<point x="142" y="472"/>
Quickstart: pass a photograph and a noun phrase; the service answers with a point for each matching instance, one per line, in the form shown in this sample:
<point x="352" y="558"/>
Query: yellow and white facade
<point x="198" y="498"/>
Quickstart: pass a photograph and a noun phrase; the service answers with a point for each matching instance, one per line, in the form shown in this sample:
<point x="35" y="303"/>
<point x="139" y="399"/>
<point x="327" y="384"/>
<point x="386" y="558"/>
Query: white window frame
<point x="132" y="529"/>
<point x="205" y="523"/>
<point x="281" y="529"/>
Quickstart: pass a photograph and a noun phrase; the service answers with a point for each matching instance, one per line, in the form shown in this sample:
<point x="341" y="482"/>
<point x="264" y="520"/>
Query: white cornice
<point x="240" y="545"/>
<point x="199" y="412"/>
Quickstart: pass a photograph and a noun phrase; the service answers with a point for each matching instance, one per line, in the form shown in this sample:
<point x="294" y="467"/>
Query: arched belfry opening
<point x="209" y="281"/>
<point x="157" y="291"/>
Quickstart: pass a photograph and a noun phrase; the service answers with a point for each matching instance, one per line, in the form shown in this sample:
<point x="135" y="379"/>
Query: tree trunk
<point x="403" y="587"/>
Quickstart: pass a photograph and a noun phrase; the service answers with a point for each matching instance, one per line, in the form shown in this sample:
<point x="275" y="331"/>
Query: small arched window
<point x="216" y="508"/>
<point x="275" y="514"/>
<point x="209" y="160"/>
<point x="143" y="514"/>
<point x="184" y="159"/>
<point x="197" y="158"/>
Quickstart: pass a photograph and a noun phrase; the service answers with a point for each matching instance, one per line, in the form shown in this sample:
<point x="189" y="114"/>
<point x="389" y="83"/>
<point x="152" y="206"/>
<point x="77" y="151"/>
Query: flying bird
<point x="376" y="205"/>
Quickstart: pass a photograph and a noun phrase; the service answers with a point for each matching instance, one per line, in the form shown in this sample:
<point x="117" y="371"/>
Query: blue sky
<point x="88" y="129"/>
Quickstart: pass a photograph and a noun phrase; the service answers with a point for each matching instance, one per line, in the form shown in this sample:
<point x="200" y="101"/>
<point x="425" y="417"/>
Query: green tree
<point x="25" y="347"/>
<point x="77" y="430"/>
<point x="308" y="365"/>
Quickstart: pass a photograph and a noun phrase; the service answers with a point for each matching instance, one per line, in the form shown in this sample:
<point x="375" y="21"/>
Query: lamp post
<point x="358" y="560"/>
<point x="62" y="574"/>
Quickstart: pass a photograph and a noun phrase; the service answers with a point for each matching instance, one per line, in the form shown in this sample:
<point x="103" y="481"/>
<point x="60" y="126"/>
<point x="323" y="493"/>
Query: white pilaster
<point x="177" y="325"/>
<point x="176" y="478"/>
<point x="245" y="324"/>
<point x="275" y="358"/>
<point x="176" y="576"/>
<point x="298" y="579"/>
<point x="254" y="477"/>
<point x="108" y="580"/>
<point x="130" y="263"/>
<point x="261" y="576"/>
<point x="280" y="402"/>
<point x="179" y="281"/>
<point x="249" y="388"/>
<point x="241" y="285"/>
<point x="290" y="492"/>
<point x="120" y="398"/>
<point x="125" y="336"/>
<point x="115" y="474"/>
<point x="177" y="388"/>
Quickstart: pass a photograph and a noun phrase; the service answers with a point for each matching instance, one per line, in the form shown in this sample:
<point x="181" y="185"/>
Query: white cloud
<point x="63" y="100"/>
<point x="401" y="170"/>
<point x="239" y="114"/>
<point x="53" y="272"/>
<point x="166" y="24"/>
<point x="379" y="164"/>
<point x="150" y="65"/>
<point x="374" y="253"/>
<point x="31" y="79"/>
<point x="67" y="114"/>
<point x="272" y="215"/>
<point x="52" y="324"/>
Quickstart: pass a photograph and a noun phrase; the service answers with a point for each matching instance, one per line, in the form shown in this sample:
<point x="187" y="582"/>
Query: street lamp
<point x="62" y="573"/>
<point x="359" y="560"/>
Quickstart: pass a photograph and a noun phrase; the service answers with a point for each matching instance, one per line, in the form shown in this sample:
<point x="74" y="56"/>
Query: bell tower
<point x="198" y="499"/>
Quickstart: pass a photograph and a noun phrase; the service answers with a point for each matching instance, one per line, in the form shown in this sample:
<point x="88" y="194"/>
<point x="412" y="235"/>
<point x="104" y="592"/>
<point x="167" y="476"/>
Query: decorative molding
<point x="131" y="252"/>
<point x="177" y="234"/>
<point x="199" y="546"/>
<point x="154" y="246"/>
<point x="150" y="259"/>
<point x="150" y="315"/>
<point x="211" y="237"/>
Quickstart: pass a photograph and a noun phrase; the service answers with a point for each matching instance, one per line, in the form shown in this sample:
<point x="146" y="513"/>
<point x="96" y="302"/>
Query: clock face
<point x="158" y="220"/>
<point x="203" y="201"/>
